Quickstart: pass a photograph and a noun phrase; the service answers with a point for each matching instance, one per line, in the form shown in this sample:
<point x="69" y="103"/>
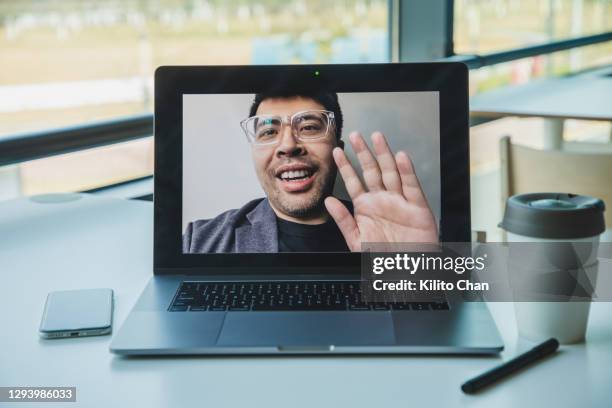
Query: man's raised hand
<point x="391" y="207"/>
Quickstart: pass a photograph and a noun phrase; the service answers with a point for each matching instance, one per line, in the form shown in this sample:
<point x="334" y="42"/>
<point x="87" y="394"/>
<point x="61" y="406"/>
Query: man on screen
<point x="297" y="150"/>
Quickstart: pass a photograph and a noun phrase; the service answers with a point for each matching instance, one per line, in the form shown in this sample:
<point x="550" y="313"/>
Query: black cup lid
<point x="554" y="215"/>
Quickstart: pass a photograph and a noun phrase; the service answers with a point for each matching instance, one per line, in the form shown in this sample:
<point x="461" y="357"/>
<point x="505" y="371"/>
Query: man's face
<point x="296" y="176"/>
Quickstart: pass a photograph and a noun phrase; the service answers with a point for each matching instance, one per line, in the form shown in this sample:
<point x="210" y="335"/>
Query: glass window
<point x="523" y="70"/>
<point x="71" y="61"/>
<point x="66" y="62"/>
<point x="485" y="26"/>
<point x="87" y="169"/>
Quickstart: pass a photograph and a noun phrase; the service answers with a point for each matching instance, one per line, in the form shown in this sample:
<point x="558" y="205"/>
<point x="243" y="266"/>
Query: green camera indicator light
<point x="316" y="73"/>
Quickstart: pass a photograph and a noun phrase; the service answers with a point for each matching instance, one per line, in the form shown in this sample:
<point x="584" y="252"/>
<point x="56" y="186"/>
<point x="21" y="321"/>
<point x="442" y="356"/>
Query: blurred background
<point x="76" y="78"/>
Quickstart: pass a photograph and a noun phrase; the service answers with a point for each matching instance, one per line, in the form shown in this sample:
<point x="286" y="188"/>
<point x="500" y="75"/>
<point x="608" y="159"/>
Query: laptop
<point x="269" y="181"/>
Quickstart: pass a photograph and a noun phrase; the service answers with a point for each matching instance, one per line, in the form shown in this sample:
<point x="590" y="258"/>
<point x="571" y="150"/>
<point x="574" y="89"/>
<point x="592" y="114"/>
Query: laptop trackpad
<point x="286" y="329"/>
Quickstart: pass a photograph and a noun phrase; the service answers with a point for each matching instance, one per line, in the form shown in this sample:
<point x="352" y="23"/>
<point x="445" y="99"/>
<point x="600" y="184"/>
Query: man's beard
<point x="304" y="207"/>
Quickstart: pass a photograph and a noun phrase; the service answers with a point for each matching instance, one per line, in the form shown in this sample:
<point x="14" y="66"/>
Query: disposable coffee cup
<point x="552" y="262"/>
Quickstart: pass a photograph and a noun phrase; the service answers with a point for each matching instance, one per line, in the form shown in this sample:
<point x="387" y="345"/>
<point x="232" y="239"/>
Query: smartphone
<point x="77" y="313"/>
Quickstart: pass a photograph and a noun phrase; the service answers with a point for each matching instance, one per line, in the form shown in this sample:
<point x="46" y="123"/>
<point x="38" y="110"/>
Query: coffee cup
<point x="553" y="240"/>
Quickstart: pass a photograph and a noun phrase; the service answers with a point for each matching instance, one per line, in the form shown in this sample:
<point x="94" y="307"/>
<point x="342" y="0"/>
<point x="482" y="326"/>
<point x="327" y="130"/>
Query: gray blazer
<point x="251" y="228"/>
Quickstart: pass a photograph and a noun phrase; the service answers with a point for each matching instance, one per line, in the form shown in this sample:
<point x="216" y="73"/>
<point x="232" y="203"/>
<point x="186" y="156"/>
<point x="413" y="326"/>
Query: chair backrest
<point x="527" y="170"/>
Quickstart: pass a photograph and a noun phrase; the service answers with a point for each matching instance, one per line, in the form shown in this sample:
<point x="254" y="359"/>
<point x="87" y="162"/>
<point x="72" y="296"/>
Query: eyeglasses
<point x="307" y="126"/>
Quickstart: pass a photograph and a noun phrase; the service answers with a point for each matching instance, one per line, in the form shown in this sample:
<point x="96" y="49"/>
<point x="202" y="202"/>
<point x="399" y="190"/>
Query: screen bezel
<point x="450" y="79"/>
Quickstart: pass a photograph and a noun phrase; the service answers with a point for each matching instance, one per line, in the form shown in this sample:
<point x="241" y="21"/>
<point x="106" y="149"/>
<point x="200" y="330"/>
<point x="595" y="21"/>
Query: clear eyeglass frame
<point x="245" y="124"/>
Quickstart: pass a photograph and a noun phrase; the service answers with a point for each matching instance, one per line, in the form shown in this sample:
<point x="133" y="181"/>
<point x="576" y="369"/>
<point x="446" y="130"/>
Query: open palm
<point x="393" y="208"/>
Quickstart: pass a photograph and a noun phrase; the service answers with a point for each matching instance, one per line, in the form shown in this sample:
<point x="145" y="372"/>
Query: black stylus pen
<point x="536" y="353"/>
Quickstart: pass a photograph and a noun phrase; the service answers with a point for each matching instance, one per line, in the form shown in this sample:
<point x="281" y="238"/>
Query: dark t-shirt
<point x="294" y="237"/>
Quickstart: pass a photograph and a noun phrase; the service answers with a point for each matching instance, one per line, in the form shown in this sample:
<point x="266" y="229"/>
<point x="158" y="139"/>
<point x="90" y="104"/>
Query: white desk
<point x="104" y="242"/>
<point x="585" y="96"/>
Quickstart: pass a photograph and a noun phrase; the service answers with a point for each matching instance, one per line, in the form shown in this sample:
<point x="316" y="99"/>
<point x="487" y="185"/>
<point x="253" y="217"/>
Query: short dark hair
<point x="329" y="100"/>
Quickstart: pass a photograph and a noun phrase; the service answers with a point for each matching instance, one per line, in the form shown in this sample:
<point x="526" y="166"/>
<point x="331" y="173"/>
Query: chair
<point x="527" y="170"/>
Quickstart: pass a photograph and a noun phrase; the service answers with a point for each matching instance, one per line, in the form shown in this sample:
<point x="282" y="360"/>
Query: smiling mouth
<point x="295" y="175"/>
<point x="296" y="180"/>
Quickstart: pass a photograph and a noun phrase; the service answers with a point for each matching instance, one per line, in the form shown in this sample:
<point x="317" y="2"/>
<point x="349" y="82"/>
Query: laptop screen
<point x="309" y="172"/>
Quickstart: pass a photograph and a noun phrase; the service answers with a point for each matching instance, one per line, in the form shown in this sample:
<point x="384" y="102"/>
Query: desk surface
<point x="581" y="96"/>
<point x="103" y="242"/>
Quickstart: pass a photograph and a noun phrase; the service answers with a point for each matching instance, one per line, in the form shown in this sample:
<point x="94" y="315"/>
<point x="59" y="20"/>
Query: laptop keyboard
<point x="288" y="295"/>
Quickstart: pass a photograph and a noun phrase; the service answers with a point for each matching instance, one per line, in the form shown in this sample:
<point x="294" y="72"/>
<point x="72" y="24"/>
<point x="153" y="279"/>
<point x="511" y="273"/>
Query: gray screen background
<point x="218" y="173"/>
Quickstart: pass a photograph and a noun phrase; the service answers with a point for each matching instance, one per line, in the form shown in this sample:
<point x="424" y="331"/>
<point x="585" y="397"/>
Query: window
<point x="68" y="62"/>
<point x="72" y="61"/>
<point x="485" y="26"/>
<point x="488" y="26"/>
<point x="523" y="70"/>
